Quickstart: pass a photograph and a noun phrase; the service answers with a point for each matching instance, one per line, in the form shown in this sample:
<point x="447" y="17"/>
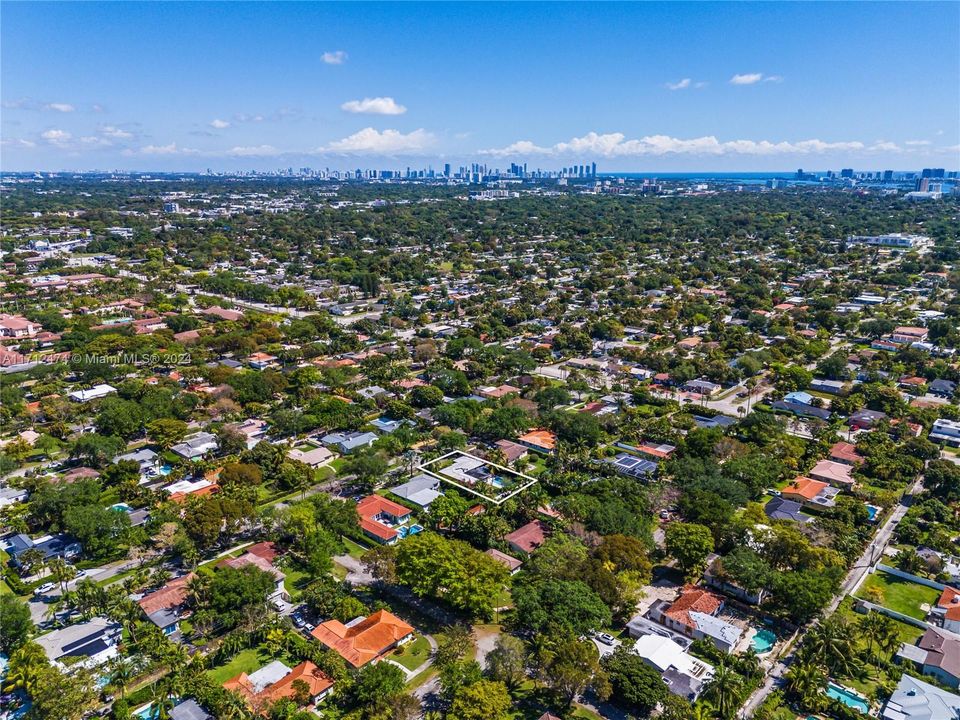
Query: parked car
<point x="606" y="638"/>
<point x="44" y="589"/>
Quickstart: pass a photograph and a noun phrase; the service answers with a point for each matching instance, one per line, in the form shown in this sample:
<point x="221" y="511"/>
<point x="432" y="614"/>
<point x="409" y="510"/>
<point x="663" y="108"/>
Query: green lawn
<point x="902" y="596"/>
<point x="354" y="549"/>
<point x="244" y="661"/>
<point x="413" y="654"/>
<point x="296" y="578"/>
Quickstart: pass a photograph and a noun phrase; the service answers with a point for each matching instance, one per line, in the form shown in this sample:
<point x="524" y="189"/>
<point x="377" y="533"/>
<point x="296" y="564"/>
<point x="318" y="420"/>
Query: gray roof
<point x="782" y="509"/>
<point x="421" y="490"/>
<point x="189" y="710"/>
<point x="918" y="700"/>
<point x="716" y="628"/>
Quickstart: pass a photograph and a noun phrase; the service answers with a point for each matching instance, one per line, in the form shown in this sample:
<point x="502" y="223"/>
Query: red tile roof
<point x="693" y="599"/>
<point x="316" y="679"/>
<point x="173" y="594"/>
<point x="529" y="537"/>
<point x="365" y="640"/>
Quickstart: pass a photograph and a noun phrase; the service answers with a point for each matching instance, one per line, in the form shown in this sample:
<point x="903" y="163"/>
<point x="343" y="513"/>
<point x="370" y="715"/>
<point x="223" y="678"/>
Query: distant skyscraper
<point x="593" y="169"/>
<point x="888" y="175"/>
<point x="446" y="170"/>
<point x="846" y="173"/>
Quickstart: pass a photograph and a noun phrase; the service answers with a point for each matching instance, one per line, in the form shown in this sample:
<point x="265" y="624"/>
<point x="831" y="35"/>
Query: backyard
<point x="413" y="654"/>
<point x="902" y="596"/>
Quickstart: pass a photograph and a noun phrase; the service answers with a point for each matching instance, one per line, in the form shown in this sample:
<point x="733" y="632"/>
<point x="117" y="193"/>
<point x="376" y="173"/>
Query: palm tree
<point x="26" y="665"/>
<point x="723" y="690"/>
<point x="869" y="626"/>
<point x="703" y="711"/>
<point x="888" y="635"/>
<point x="831" y="644"/>
<point x="121" y="673"/>
<point x="806" y="681"/>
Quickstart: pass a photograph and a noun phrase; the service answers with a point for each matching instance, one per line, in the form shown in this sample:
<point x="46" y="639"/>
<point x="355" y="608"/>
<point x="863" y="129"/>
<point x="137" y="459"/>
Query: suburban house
<point x="837" y="474"/>
<point x="164" y="607"/>
<point x="189" y="709"/>
<point x="779" y="508"/>
<point x="846" y="453"/>
<point x="905" y="335"/>
<point x="942" y="388"/>
<point x="937" y="654"/>
<point x="314" y="456"/>
<point x="379" y="517"/>
<point x="253" y="429"/>
<point x="511" y="563"/>
<point x="918" y="700"/>
<point x="420" y="490"/>
<point x="946" y="613"/>
<point x="262" y="361"/>
<point x="701" y="387"/>
<point x="261" y="555"/>
<point x="511" y="451"/>
<point x="866" y="419"/>
<point x="529" y="537"/>
<point x="659" y="451"/>
<point x="222" y="313"/>
<point x="633" y="466"/>
<point x="16" y="326"/>
<point x="347" y="442"/>
<point x="52" y="546"/>
<point x="945" y="431"/>
<point x="543" y="441"/>
<point x="93" y="643"/>
<point x="275" y="681"/>
<point x="833" y="387"/>
<point x="810" y="492"/>
<point x="94" y="393"/>
<point x="683" y="674"/>
<point x="693" y="614"/>
<point x="146" y="459"/>
<point x="364" y="639"/>
<point x="196" y="446"/>
<point x="800" y="409"/>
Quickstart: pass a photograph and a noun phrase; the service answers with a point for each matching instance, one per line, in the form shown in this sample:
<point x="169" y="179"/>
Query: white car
<point x="44" y="589"/>
<point x="606" y="638"/>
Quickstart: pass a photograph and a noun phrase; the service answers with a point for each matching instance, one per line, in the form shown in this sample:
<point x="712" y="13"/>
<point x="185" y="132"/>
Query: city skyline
<point x="647" y="87"/>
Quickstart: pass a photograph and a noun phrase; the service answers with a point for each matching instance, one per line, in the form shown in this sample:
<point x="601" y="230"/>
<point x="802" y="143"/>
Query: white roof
<point x="97" y="391"/>
<point x="664" y="653"/>
<point x="268" y="675"/>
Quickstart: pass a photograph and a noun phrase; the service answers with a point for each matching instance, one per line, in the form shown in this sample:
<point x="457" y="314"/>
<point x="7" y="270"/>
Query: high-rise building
<point x="446" y="169"/>
<point x="888" y="176"/>
<point x="846" y="173"/>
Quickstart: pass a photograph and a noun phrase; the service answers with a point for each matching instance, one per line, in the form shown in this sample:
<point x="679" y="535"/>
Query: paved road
<point x="860" y="568"/>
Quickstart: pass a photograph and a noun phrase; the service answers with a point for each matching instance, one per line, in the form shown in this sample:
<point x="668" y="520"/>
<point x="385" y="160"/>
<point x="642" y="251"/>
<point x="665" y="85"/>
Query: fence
<point x="910" y="576"/>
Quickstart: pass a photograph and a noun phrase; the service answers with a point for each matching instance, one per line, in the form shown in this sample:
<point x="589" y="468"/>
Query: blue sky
<point x="645" y="86"/>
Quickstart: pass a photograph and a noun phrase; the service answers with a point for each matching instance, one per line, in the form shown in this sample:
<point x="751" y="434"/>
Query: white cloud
<point x="56" y="137"/>
<point x="19" y="142"/>
<point x="917" y="143"/>
<point x="334" y="57"/>
<point x="253" y="151"/>
<point x="388" y="142"/>
<point x="681" y="85"/>
<point x="60" y="107"/>
<point x="374" y="106"/>
<point x="610" y="145"/>
<point x="746" y="79"/>
<point x="170" y="149"/>
<point x="219" y="124"/>
<point x="115" y="133"/>
<point x="754" y="78"/>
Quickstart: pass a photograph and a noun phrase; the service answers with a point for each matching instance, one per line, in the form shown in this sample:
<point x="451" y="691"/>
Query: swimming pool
<point x="872" y="511"/>
<point x="847" y="697"/>
<point x="165" y="469"/>
<point x="411" y="530"/>
<point x="763" y="641"/>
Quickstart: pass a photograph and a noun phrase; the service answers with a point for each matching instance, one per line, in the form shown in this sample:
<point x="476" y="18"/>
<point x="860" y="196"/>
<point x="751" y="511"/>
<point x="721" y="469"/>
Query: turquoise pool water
<point x="165" y="469"/>
<point x="872" y="511"/>
<point x="763" y="641"/>
<point x="851" y="700"/>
